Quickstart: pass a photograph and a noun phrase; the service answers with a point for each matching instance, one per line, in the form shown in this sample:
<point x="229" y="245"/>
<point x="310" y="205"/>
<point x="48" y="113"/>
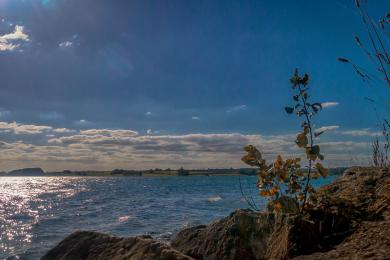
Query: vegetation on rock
<point x="285" y="178"/>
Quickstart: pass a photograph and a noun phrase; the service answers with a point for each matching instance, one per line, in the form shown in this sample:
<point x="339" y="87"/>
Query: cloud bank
<point x="105" y="149"/>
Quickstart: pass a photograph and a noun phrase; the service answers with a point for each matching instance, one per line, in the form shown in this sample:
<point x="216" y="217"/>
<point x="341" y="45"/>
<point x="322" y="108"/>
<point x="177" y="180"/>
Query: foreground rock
<point x="361" y="196"/>
<point x="93" y="245"/>
<point x="249" y="235"/>
<point x="348" y="219"/>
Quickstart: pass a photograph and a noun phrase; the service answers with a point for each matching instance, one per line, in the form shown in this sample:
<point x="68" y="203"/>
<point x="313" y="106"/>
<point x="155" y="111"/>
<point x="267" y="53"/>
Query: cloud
<point x="148" y="113"/>
<point x="326" y="128"/>
<point x="195" y="118"/>
<point x="65" y="44"/>
<point x="82" y="122"/>
<point x="329" y="104"/>
<point x="63" y="130"/>
<point x="63" y="148"/>
<point x="109" y="132"/>
<point x="236" y="108"/>
<point x="360" y="132"/>
<point x="107" y="151"/>
<point x="8" y="41"/>
<point x="24" y="129"/>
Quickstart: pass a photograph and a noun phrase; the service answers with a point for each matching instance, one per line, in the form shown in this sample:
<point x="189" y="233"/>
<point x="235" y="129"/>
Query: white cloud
<point x="148" y="113"/>
<point x="24" y="129"/>
<point x="63" y="130"/>
<point x="360" y="132"/>
<point x="65" y="44"/>
<point x="195" y="118"/>
<point x="109" y="132"/>
<point x="8" y="41"/>
<point x="327" y="128"/>
<point x="329" y="104"/>
<point x="236" y="108"/>
<point x="82" y="122"/>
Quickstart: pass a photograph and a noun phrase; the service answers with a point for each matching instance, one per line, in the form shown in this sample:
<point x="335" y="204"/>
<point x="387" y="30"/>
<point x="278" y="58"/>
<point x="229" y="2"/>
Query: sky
<point x="98" y="85"/>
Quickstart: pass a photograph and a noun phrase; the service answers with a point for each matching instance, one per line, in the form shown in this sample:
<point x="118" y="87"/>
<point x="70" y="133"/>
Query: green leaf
<point x="312" y="152"/>
<point x="321" y="169"/>
<point x="316" y="107"/>
<point x="302" y="140"/>
<point x="343" y="60"/>
<point x="289" y="110"/>
<point x="305" y="80"/>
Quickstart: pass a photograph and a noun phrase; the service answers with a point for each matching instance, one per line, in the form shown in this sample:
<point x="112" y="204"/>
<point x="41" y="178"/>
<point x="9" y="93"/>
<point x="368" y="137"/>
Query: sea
<point x="36" y="213"/>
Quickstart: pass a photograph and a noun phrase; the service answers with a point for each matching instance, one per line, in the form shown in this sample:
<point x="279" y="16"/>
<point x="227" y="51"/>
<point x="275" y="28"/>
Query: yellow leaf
<point x="301" y="140"/>
<point x="321" y="169"/>
<point x="312" y="152"/>
<point x="265" y="193"/>
<point x="253" y="157"/>
<point x="283" y="175"/>
<point x="263" y="174"/>
<point x="278" y="164"/>
<point x="274" y="190"/>
<point x="277" y="206"/>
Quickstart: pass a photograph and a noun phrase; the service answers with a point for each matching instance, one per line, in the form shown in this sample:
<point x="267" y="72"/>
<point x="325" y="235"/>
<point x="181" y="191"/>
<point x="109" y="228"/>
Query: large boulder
<point x="93" y="245"/>
<point x="249" y="235"/>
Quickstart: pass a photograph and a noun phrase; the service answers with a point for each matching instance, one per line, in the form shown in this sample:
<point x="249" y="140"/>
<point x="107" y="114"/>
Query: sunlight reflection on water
<point x="38" y="212"/>
<point x="22" y="202"/>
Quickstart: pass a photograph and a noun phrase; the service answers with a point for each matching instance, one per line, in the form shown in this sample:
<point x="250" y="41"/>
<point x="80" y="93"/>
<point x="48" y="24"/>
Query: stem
<point x="374" y="45"/>
<point x="311" y="145"/>
<point x="252" y="206"/>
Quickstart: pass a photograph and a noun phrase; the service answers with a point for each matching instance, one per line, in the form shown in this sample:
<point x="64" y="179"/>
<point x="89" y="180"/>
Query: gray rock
<point x="93" y="245"/>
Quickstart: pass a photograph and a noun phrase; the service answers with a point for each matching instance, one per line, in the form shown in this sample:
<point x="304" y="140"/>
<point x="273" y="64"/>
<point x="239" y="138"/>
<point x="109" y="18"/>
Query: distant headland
<point x="36" y="171"/>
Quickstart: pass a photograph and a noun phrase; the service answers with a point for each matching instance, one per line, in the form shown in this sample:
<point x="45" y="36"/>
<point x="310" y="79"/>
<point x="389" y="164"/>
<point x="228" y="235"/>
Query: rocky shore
<point x="348" y="219"/>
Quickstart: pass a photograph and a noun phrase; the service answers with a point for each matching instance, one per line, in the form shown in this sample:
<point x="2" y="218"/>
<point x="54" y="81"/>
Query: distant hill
<point x="27" y="172"/>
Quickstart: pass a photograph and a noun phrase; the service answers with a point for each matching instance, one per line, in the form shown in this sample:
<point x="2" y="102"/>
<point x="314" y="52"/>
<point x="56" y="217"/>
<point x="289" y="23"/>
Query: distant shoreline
<point x="38" y="172"/>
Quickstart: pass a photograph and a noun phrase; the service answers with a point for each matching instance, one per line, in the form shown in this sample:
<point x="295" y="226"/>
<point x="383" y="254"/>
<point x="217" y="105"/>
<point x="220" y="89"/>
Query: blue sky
<point x="183" y="78"/>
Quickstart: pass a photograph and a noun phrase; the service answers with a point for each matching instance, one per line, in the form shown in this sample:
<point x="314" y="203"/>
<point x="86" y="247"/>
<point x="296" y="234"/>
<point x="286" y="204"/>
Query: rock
<point x="362" y="197"/>
<point x="93" y="245"/>
<point x="361" y="194"/>
<point x="248" y="235"/>
<point x="350" y="216"/>
<point x="370" y="241"/>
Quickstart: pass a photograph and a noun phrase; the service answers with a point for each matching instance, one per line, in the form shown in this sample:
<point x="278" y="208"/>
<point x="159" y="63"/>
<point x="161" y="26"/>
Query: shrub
<point x="284" y="181"/>
<point x="376" y="46"/>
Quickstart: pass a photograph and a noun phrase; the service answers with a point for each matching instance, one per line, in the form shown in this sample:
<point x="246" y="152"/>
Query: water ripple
<point x="37" y="212"/>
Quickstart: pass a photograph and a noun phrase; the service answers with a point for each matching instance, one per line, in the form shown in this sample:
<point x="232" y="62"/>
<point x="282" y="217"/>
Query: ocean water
<point x="38" y="212"/>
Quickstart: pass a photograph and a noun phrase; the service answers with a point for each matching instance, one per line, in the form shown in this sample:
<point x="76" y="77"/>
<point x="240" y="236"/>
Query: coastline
<point x="38" y="172"/>
<point x="349" y="218"/>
